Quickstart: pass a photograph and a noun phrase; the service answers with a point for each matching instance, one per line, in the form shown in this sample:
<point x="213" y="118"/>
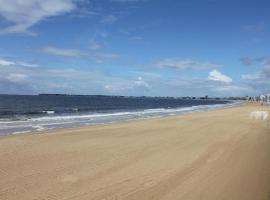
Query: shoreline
<point x="219" y="154"/>
<point x="173" y="113"/>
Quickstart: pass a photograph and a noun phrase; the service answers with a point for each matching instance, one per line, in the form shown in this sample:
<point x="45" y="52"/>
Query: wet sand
<point x="213" y="155"/>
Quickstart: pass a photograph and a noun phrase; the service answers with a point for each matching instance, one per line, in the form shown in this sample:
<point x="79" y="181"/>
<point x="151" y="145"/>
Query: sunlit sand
<point x="213" y="155"/>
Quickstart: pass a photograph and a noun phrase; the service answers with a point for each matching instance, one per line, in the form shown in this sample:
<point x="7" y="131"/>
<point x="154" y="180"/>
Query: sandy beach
<point x="214" y="155"/>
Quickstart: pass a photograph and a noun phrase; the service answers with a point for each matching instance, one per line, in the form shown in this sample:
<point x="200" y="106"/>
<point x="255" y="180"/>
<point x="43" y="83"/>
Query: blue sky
<point x="135" y="47"/>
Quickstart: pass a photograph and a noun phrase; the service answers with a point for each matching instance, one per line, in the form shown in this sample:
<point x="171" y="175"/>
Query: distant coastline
<point x="243" y="98"/>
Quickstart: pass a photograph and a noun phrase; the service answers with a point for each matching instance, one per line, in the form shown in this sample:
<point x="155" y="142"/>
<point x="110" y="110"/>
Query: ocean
<point x="27" y="113"/>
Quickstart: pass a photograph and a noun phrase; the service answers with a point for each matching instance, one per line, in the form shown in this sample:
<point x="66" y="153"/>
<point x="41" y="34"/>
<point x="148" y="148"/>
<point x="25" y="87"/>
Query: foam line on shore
<point x="64" y="121"/>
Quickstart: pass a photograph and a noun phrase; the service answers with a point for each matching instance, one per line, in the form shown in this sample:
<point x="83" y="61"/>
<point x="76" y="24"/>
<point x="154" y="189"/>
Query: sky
<point x="135" y="47"/>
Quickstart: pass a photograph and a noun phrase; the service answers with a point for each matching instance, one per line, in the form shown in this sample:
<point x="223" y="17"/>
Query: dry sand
<point x="214" y="155"/>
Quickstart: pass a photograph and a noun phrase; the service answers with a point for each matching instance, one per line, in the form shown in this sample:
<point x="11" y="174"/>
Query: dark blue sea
<point x="26" y="113"/>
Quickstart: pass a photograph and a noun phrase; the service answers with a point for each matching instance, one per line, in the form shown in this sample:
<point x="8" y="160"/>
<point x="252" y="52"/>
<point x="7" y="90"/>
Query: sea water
<point x="27" y="113"/>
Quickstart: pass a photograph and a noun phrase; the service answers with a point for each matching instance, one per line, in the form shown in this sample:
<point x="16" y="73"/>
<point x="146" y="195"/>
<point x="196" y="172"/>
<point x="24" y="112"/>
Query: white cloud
<point x="141" y="83"/>
<point x="92" y="55"/>
<point x="30" y="65"/>
<point x="266" y="71"/>
<point x="102" y="57"/>
<point x="26" y="13"/>
<point x="116" y="88"/>
<point x="121" y="85"/>
<point x="109" y="19"/>
<point x="215" y="75"/>
<point x="259" y="81"/>
<point x="6" y="63"/>
<point x="62" y="51"/>
<point x="254" y="76"/>
<point x="94" y="45"/>
<point x="15" y="61"/>
<point x="126" y="1"/>
<point x="17" y="77"/>
<point x="232" y="90"/>
<point x="262" y="74"/>
<point x="186" y="64"/>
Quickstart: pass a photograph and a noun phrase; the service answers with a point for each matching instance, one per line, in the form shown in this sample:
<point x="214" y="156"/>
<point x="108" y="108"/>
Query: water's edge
<point x="41" y="124"/>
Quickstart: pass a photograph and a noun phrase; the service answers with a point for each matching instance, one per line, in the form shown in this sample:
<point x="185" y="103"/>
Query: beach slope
<point x="214" y="155"/>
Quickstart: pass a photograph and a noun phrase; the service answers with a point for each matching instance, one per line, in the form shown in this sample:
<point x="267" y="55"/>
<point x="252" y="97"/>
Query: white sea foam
<point x="259" y="115"/>
<point x="20" y="132"/>
<point x="49" y="112"/>
<point x="38" y="127"/>
<point x="66" y="117"/>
